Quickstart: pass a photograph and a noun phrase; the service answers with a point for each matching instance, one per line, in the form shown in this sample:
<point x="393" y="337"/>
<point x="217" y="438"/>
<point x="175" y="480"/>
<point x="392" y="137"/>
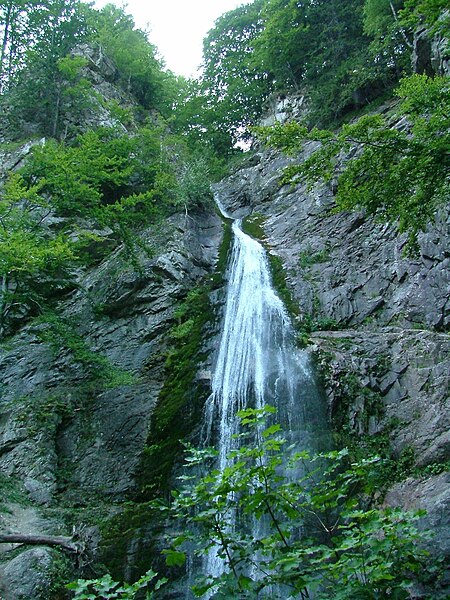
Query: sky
<point x="177" y="27"/>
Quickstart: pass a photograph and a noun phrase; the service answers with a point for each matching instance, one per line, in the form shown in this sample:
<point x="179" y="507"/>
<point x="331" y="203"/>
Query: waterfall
<point x="257" y="363"/>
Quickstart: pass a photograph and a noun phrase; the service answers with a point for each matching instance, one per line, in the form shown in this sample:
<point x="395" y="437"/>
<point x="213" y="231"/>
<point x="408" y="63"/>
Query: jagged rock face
<point x="386" y="368"/>
<point x="102" y="74"/>
<point x="282" y="108"/>
<point x="136" y="312"/>
<point x="351" y="267"/>
<point x="431" y="54"/>
<point x="91" y="452"/>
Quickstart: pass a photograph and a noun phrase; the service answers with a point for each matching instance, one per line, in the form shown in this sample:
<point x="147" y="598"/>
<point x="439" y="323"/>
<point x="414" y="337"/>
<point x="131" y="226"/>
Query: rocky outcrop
<point x="67" y="437"/>
<point x="281" y="108"/>
<point x="431" y="50"/>
<point x="386" y="361"/>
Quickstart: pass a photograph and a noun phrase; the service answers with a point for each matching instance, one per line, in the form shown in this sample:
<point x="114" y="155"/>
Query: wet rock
<point x="386" y="370"/>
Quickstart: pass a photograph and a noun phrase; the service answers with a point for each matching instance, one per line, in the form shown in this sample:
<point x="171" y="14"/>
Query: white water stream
<point x="257" y="363"/>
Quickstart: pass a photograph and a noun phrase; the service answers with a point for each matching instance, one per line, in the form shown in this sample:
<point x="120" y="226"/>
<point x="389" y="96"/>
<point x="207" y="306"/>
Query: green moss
<point x="353" y="394"/>
<point x="11" y="491"/>
<point x="307" y="258"/>
<point x="280" y="284"/>
<point x="60" y="571"/>
<point x="43" y="412"/>
<point x="59" y="334"/>
<point x="254" y="226"/>
<point x="222" y="259"/>
<point x="180" y="402"/>
<point x="128" y="539"/>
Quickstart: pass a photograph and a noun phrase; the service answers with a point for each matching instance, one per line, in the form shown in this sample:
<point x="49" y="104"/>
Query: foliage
<point x="391" y="43"/>
<point x="318" y="531"/>
<point x="324" y="51"/>
<point x="39" y="88"/>
<point x="430" y="13"/>
<point x="140" y="68"/>
<point x="61" y="335"/>
<point x="341" y="55"/>
<point x="43" y="90"/>
<point x="29" y="28"/>
<point x="29" y="252"/>
<point x="399" y="174"/>
<point x="105" y="178"/>
<point x="105" y="588"/>
<point x="194" y="180"/>
<point x="232" y="88"/>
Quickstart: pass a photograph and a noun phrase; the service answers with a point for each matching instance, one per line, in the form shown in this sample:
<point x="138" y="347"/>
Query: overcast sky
<point x="177" y="27"/>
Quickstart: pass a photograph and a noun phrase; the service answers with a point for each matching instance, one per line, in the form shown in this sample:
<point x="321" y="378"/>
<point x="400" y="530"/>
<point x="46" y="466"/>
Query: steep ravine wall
<point x="380" y="325"/>
<point x="70" y="447"/>
<point x="70" y="451"/>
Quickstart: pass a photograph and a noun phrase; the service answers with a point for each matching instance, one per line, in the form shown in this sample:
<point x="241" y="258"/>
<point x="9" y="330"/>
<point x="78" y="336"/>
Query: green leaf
<point x="174" y="558"/>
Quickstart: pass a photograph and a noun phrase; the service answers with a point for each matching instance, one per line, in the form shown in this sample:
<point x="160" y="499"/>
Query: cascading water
<point x="257" y="363"/>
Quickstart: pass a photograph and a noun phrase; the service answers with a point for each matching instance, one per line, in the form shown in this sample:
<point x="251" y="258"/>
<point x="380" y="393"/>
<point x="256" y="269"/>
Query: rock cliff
<point x="380" y="323"/>
<point x="77" y="393"/>
<point x="72" y="443"/>
<point x="67" y="441"/>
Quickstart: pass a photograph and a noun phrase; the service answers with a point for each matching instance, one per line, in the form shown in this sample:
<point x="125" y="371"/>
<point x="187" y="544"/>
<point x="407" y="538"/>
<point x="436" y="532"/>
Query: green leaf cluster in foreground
<point x="396" y="168"/>
<point x="308" y="525"/>
<point x="105" y="588"/>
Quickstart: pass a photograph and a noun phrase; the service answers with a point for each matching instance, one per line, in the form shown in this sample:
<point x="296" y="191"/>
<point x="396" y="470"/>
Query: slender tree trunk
<point x="400" y="28"/>
<point x="6" y="30"/>
<point x="3" y="290"/>
<point x="57" y="109"/>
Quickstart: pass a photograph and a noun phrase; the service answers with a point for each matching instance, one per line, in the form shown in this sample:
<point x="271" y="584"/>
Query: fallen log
<point x="41" y="540"/>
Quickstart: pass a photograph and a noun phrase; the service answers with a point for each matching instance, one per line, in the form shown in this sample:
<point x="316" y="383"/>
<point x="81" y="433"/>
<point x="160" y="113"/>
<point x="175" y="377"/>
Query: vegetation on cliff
<point x="324" y="539"/>
<point x="154" y="151"/>
<point x="400" y="174"/>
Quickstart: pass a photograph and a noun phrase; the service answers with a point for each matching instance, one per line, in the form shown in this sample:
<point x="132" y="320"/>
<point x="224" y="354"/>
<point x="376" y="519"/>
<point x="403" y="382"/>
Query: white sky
<point x="177" y="27"/>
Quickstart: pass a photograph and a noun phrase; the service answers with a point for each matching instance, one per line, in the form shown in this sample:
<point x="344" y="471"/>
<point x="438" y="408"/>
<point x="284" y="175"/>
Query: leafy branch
<point x="397" y="169"/>
<point x="349" y="549"/>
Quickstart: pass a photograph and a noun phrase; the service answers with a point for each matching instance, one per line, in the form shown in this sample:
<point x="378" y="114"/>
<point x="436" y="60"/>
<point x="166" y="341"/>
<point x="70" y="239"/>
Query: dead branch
<point x="65" y="543"/>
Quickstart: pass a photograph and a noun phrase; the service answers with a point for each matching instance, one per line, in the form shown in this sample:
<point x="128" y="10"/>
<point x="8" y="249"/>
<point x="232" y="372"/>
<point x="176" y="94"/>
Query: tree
<point x="398" y="175"/>
<point x="29" y="253"/>
<point x="141" y="70"/>
<point x="306" y="523"/>
<point x="430" y="13"/>
<point x="232" y="88"/>
<point x="12" y="26"/>
<point x="42" y="83"/>
<point x="319" y="47"/>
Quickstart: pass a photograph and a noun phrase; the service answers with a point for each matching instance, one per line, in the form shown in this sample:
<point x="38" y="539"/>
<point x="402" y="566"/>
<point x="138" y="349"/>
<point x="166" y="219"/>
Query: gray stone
<point x="393" y="310"/>
<point x="38" y="491"/>
<point x="433" y="496"/>
<point x="26" y="577"/>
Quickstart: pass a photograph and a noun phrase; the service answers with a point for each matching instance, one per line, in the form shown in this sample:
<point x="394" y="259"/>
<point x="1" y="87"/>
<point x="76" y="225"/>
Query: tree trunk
<point x="5" y="40"/>
<point x="3" y="290"/>
<point x="41" y="540"/>
<point x="400" y="28"/>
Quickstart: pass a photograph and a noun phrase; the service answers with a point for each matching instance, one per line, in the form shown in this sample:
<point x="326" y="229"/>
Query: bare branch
<point x="65" y="543"/>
